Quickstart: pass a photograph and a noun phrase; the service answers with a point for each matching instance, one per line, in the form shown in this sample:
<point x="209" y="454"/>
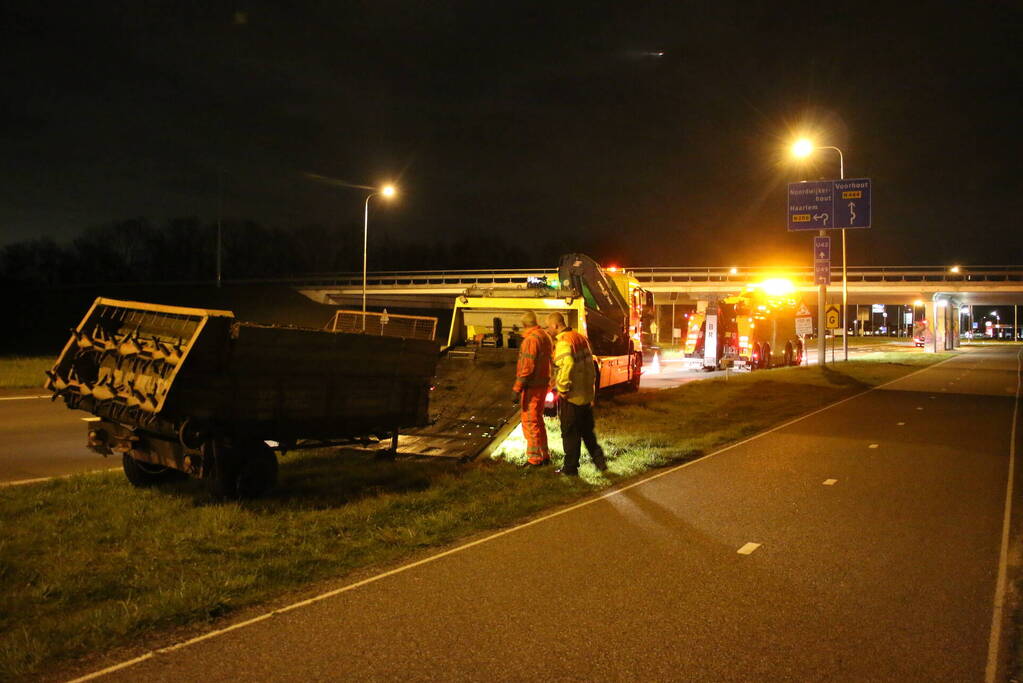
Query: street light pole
<point x="387" y="191"/>
<point x="802" y="148"/>
<point x="365" y="251"/>
<point x="845" y="280"/>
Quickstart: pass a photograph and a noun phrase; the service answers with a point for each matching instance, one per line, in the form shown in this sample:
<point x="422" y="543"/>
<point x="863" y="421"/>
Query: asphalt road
<point x="40" y="439"/>
<point x="879" y="522"/>
<point x="671" y="371"/>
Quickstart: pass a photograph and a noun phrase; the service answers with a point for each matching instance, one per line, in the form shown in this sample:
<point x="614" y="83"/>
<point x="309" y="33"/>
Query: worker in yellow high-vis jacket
<point x="575" y="381"/>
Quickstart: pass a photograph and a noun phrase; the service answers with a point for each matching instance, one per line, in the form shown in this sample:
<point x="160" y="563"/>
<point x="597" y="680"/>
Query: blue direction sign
<point x="822" y="260"/>
<point x="812" y="205"/>
<point x="829" y="204"/>
<point x="852" y="203"/>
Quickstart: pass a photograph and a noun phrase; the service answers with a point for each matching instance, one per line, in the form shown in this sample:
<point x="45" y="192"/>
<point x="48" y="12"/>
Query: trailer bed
<point x="470" y="408"/>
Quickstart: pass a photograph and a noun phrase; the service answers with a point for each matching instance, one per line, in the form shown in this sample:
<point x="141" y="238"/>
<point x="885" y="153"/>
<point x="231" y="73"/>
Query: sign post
<point x="826" y="205"/>
<point x="822" y="276"/>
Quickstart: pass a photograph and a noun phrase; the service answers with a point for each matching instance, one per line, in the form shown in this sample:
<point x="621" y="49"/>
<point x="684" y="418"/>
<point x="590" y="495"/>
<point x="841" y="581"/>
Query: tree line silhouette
<point x="185" y="249"/>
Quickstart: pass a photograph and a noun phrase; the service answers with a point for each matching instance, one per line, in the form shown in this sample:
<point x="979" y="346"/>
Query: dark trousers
<point x="576" y="429"/>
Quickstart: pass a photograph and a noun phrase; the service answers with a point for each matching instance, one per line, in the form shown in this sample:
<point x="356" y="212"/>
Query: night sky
<point x="641" y="132"/>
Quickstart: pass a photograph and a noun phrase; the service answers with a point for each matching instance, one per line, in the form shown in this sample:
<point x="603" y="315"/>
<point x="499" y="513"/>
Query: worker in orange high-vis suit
<point x="532" y="376"/>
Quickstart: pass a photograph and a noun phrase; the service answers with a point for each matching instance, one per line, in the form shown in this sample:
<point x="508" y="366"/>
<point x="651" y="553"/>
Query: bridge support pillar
<point x="943" y="318"/>
<point x="931" y="330"/>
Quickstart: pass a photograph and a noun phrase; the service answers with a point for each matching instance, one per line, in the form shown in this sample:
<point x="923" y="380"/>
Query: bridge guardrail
<point x="655" y="275"/>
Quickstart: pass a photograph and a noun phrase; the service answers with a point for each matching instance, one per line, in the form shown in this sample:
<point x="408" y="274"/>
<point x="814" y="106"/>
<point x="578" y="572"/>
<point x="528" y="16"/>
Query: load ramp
<point x="470" y="408"/>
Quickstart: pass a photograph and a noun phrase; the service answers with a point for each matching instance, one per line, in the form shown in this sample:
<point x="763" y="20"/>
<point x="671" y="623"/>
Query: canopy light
<point x="777" y="286"/>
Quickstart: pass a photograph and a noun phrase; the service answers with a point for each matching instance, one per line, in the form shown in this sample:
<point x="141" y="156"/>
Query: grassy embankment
<point x="88" y="563"/>
<point x="18" y="372"/>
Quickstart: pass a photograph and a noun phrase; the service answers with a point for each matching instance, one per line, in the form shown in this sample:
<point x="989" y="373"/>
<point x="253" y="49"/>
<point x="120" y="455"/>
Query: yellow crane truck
<point x="469" y="409"/>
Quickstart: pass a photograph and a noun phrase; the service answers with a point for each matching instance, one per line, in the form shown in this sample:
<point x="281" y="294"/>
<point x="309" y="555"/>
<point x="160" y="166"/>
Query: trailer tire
<point x="244" y="472"/>
<point x="143" y="474"/>
<point x="257" y="471"/>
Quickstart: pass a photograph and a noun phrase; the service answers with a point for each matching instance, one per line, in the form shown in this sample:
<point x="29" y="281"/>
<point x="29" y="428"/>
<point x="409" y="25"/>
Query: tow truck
<point x="756" y="329"/>
<point x="469" y="409"/>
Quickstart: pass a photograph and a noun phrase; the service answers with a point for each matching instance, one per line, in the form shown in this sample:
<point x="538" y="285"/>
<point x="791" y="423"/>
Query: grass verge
<point x="88" y="563"/>
<point x="18" y="372"/>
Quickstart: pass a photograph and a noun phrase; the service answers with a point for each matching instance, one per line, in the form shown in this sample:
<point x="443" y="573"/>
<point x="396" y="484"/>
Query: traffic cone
<point x="655" y="365"/>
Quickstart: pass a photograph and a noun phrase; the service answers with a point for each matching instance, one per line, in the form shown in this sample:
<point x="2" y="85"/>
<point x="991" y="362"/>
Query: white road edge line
<point x="38" y="480"/>
<point x="997" y="615"/>
<point x="830" y="482"/>
<point x="748" y="548"/>
<point x="21" y="398"/>
<point x="486" y="539"/>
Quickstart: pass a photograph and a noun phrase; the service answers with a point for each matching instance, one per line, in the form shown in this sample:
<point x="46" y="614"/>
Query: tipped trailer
<point x="196" y="391"/>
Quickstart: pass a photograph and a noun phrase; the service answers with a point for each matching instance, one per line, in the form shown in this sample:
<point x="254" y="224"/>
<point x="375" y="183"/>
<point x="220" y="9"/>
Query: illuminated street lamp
<point x="803" y="148"/>
<point x="954" y="269"/>
<point x="388" y="192"/>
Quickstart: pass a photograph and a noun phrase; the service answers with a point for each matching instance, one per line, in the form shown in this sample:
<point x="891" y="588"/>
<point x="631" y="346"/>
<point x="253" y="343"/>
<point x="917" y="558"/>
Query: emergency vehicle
<point x="756" y="328"/>
<point x="920" y="332"/>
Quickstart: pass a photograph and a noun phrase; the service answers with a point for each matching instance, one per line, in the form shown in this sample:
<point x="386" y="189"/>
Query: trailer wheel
<point x="219" y="468"/>
<point x="257" y="472"/>
<point x="244" y="472"/>
<point x="143" y="474"/>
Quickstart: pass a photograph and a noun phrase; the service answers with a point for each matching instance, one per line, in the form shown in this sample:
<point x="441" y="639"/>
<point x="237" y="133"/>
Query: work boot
<point x="537" y="461"/>
<point x="567" y="473"/>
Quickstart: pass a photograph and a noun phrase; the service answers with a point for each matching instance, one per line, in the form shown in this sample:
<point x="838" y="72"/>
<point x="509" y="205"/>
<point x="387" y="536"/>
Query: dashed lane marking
<point x="900" y="424"/>
<point x="22" y="398"/>
<point x="748" y="548"/>
<point x="873" y="445"/>
<point x="830" y="482"/>
<point x="919" y="407"/>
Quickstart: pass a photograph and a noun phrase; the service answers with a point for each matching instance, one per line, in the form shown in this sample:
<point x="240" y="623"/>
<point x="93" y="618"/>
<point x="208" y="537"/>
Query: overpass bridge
<point x="940" y="291"/>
